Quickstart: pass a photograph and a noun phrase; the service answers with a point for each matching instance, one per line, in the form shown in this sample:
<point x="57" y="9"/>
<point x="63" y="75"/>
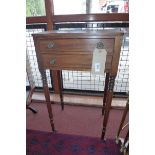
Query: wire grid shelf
<point x="33" y="59"/>
<point x="81" y="80"/>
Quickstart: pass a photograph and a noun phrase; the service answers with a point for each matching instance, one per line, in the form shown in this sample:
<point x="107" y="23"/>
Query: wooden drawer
<point x="74" y="50"/>
<point x="73" y="54"/>
<point x="74" y="45"/>
<point x="66" y="61"/>
<point x="70" y="61"/>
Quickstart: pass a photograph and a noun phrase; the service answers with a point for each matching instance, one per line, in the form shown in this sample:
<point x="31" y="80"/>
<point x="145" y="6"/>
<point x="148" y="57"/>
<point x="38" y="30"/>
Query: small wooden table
<point x="73" y="50"/>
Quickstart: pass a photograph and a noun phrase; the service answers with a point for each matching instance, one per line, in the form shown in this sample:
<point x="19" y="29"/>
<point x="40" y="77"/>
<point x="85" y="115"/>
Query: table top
<point x="79" y="34"/>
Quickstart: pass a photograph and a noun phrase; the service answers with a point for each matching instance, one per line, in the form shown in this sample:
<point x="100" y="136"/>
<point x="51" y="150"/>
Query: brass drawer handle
<point x="52" y="61"/>
<point x="100" y="45"/>
<point x="50" y="45"/>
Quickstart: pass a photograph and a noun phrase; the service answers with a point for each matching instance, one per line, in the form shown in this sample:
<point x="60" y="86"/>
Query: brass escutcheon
<point x="52" y="61"/>
<point x="50" y="45"/>
<point x="100" y="45"/>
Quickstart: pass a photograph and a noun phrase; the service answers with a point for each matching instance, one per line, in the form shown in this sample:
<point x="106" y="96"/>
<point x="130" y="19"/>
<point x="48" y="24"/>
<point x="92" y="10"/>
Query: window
<point x="113" y="6"/>
<point x="35" y="8"/>
<point x="90" y="6"/>
<point x="62" y="7"/>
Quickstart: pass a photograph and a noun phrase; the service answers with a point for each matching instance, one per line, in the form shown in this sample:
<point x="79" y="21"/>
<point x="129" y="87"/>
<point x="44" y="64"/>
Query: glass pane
<point x="62" y="7"/>
<point x="35" y="8"/>
<point x="90" y="6"/>
<point x="109" y="6"/>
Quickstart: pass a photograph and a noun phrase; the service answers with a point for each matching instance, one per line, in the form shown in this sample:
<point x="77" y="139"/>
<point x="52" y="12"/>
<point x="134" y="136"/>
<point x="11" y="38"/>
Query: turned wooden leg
<point x="123" y="119"/>
<point x="105" y="92"/>
<point x="108" y="104"/>
<point x="61" y="89"/>
<point x="106" y="114"/>
<point x="51" y="79"/>
<point x="47" y="97"/>
<point x="29" y="100"/>
<point x="126" y="138"/>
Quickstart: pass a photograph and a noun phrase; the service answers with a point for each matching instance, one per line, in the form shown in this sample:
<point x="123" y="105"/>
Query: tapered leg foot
<point x="103" y="134"/>
<point x="55" y="131"/>
<point x="103" y="111"/>
<point x="62" y="106"/>
<point x="52" y="125"/>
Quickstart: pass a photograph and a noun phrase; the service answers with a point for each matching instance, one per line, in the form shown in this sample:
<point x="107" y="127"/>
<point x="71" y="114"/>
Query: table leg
<point x="126" y="138"/>
<point x="61" y="89"/>
<point x="47" y="97"/>
<point x="105" y="92"/>
<point x="60" y="85"/>
<point x="108" y="104"/>
<point x="123" y="119"/>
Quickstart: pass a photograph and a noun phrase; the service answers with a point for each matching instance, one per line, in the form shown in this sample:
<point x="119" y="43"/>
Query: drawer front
<point x="73" y="54"/>
<point x="74" y="45"/>
<point x="81" y="62"/>
<point x="66" y="61"/>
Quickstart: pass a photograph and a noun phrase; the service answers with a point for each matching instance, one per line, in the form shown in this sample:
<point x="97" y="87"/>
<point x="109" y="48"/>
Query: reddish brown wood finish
<point x="47" y="97"/>
<point x="77" y="58"/>
<point x="123" y="118"/>
<point x="74" y="50"/>
<point x="80" y="45"/>
<point x="91" y="17"/>
<point x="126" y="138"/>
<point x="50" y="18"/>
<point x="49" y="15"/>
<point x="105" y="92"/>
<point x="73" y="54"/>
<point x="45" y="85"/>
<point x="116" y="55"/>
<point x="124" y="17"/>
<point x="88" y="34"/>
<point x="67" y="61"/>
<point x="106" y="114"/>
<point x="61" y="88"/>
<point x="113" y="73"/>
<point x="33" y="20"/>
<point x="29" y="98"/>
